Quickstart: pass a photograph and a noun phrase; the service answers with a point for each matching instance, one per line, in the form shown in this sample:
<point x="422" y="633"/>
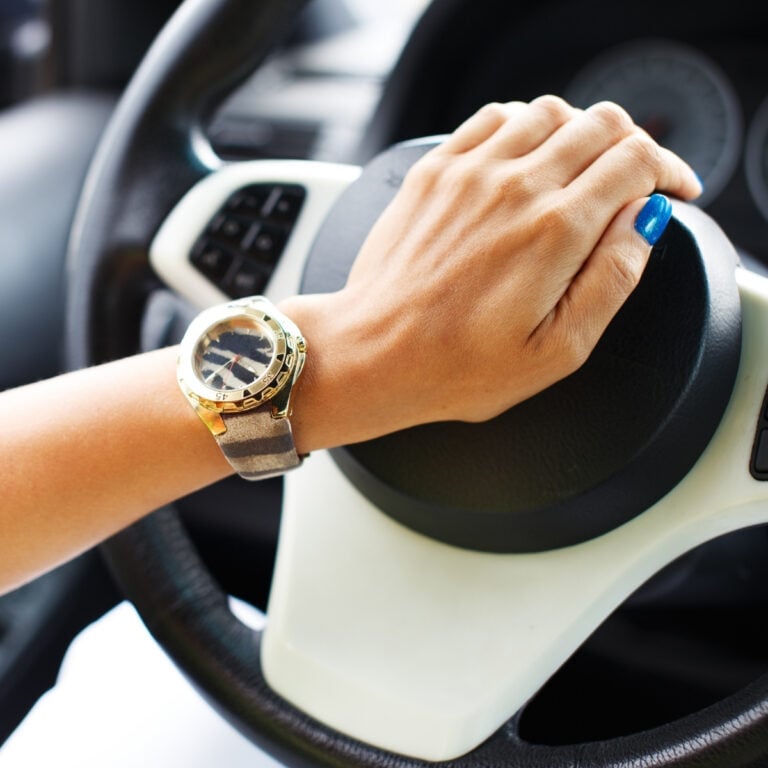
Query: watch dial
<point x="233" y="356"/>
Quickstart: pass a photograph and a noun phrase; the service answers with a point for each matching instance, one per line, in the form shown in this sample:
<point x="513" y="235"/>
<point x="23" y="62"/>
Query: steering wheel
<point x="429" y="582"/>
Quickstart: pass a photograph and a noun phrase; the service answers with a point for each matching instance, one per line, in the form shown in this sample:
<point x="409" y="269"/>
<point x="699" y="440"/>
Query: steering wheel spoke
<point x="247" y="228"/>
<point x="426" y="649"/>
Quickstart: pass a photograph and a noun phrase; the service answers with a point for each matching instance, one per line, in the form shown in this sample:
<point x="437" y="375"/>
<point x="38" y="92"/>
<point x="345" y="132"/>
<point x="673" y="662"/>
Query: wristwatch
<point x="238" y="363"/>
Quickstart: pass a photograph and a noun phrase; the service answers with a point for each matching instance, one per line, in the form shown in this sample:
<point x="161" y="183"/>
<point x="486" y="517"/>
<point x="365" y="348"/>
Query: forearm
<point x="88" y="453"/>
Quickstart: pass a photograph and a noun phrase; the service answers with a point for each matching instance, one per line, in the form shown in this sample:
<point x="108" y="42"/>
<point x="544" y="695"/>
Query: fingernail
<point x="653" y="218"/>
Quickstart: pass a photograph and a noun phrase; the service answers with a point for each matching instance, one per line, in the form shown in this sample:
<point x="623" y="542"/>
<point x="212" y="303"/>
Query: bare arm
<point x="87" y="453"/>
<point x="509" y="248"/>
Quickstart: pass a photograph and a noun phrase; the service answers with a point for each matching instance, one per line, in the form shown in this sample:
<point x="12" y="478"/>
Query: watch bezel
<point x="286" y="357"/>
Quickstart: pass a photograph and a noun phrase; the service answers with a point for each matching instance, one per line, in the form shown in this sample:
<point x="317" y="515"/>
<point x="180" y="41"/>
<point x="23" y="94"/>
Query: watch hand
<point x="221" y="368"/>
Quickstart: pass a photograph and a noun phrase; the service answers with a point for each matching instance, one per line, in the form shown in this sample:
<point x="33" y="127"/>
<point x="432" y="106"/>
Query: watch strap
<point x="257" y="444"/>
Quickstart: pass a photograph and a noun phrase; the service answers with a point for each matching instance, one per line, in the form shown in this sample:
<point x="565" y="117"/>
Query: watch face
<point x="234" y="354"/>
<point x="240" y="355"/>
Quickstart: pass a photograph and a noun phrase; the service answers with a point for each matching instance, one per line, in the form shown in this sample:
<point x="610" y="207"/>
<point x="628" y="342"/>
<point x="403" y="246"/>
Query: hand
<point x="491" y="275"/>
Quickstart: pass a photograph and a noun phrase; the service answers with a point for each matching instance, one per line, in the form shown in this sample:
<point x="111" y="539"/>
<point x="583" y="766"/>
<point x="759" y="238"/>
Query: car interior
<point x="342" y="83"/>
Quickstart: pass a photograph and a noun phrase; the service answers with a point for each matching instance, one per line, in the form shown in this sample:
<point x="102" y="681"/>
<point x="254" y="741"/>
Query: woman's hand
<point x="491" y="275"/>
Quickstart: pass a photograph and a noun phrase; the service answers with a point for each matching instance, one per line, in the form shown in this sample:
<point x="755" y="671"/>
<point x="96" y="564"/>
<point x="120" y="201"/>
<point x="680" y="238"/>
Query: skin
<point x="506" y="253"/>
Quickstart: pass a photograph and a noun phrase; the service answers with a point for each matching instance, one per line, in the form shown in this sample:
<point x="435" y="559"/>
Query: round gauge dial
<point x="756" y="158"/>
<point x="234" y="355"/>
<point x="678" y="95"/>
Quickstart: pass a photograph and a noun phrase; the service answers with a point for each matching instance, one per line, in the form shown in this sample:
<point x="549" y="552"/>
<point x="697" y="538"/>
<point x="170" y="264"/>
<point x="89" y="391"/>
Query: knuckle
<point x="612" y="116"/>
<point x="567" y="346"/>
<point x="494" y="110"/>
<point x="427" y="171"/>
<point x="452" y="177"/>
<point x="558" y="223"/>
<point x="516" y="187"/>
<point x="625" y="271"/>
<point x="643" y="152"/>
<point x="579" y="349"/>
<point x="465" y="174"/>
<point x="574" y="348"/>
<point x="553" y="106"/>
<point x="555" y="221"/>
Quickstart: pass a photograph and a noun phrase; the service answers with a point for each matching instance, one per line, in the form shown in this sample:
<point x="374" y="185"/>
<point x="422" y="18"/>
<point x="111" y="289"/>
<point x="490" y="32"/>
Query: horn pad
<point x="592" y="451"/>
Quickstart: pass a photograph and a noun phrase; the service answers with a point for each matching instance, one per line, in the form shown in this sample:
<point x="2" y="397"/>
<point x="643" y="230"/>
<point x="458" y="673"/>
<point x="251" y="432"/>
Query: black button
<point x="286" y="204"/>
<point x="250" y="200"/>
<point x="212" y="259"/>
<point x="265" y="243"/>
<point x="761" y="453"/>
<point x="233" y="229"/>
<point x="247" y="280"/>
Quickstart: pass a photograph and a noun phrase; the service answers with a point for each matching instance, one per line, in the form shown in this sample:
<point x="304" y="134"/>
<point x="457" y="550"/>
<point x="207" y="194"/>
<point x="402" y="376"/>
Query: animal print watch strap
<point x="259" y="445"/>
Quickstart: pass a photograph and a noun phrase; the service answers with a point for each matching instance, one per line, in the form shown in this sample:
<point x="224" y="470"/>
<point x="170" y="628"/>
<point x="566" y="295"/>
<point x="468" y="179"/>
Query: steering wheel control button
<point x="212" y="260"/>
<point x="245" y="239"/>
<point x="230" y="228"/>
<point x="246" y="280"/>
<point x="758" y="466"/>
<point x="249" y="200"/>
<point x="590" y="453"/>
<point x="760" y="456"/>
<point x="286" y="205"/>
<point x="265" y="243"/>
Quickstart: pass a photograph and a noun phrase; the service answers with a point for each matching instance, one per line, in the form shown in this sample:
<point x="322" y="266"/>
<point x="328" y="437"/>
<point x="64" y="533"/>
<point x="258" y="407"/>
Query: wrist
<point x="348" y="389"/>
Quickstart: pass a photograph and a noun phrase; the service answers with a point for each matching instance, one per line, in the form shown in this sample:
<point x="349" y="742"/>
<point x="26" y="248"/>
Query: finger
<point x="481" y="126"/>
<point x="580" y="141"/>
<point x="678" y="178"/>
<point x="528" y="128"/>
<point x="609" y="275"/>
<point x="634" y="167"/>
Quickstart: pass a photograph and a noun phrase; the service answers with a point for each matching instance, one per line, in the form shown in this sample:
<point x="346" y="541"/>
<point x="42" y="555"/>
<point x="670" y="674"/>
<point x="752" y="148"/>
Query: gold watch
<point x="238" y="363"/>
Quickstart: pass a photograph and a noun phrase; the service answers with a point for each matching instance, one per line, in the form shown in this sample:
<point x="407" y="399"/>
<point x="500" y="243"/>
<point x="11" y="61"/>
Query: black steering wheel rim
<point x="153" y="151"/>
<point x="188" y="614"/>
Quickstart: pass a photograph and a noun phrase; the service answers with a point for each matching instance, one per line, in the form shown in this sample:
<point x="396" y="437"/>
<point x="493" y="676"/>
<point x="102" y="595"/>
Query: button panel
<point x="243" y="242"/>
<point x="759" y="464"/>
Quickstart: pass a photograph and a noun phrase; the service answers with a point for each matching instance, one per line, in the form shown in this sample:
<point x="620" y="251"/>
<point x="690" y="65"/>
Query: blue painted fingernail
<point x="653" y="218"/>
